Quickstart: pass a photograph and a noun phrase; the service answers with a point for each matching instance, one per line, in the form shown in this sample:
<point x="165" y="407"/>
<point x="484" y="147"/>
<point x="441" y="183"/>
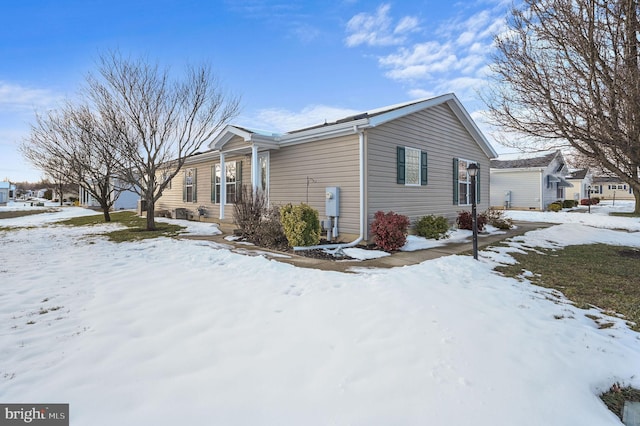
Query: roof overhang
<point x="251" y="137"/>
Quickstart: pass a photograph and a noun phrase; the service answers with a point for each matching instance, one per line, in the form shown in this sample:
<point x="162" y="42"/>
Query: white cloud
<point x="420" y="61"/>
<point x="455" y="55"/>
<point x="283" y="120"/>
<point x="376" y="29"/>
<point x="16" y="98"/>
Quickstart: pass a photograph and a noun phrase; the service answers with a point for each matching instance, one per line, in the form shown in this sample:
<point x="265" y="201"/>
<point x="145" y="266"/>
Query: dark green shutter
<point x="184" y="188"/>
<point x="400" y="165"/>
<point x="213" y="183"/>
<point x="423" y="167"/>
<point x="455" y="182"/>
<point x="195" y="185"/>
<point x="478" y="185"/>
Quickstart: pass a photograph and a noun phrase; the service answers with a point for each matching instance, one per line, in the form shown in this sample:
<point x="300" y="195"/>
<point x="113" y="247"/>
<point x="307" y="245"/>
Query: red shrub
<point x="585" y="202"/>
<point x="389" y="230"/>
<point x="465" y="221"/>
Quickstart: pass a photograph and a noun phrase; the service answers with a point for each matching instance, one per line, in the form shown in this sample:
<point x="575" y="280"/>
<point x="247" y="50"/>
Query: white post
<point x="223" y="185"/>
<point x="255" y="168"/>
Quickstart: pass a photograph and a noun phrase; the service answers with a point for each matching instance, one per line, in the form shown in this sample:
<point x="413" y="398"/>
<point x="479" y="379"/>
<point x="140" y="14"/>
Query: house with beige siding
<point x="525" y="181"/>
<point x="580" y="181"/>
<point x="410" y="158"/>
<point x="611" y="188"/>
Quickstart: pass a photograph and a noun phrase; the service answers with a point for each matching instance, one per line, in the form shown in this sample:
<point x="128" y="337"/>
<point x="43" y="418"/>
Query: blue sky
<point x="293" y="63"/>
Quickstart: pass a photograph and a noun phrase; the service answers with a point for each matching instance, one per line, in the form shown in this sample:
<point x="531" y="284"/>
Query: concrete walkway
<point x="401" y="258"/>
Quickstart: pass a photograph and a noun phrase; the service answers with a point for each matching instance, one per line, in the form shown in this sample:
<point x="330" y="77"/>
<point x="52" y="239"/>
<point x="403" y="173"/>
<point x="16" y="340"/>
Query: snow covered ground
<point x="176" y="332"/>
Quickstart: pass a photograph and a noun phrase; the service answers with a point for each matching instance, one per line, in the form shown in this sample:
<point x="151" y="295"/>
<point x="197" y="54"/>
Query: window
<point x="263" y="173"/>
<point x="189" y="192"/>
<point x="411" y="166"/>
<point x="462" y="182"/>
<point x="232" y="182"/>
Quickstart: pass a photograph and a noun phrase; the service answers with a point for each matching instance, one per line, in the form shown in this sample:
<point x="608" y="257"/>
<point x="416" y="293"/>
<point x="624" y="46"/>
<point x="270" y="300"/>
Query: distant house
<point x="410" y="158"/>
<point x="580" y="181"/>
<point x="528" y="181"/>
<point x="7" y="192"/>
<point x="610" y="188"/>
<point x="127" y="199"/>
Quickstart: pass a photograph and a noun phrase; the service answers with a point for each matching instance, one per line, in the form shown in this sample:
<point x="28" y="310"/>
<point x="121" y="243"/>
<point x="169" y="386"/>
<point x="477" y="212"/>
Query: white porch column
<point x="223" y="185"/>
<point x="255" y="168"/>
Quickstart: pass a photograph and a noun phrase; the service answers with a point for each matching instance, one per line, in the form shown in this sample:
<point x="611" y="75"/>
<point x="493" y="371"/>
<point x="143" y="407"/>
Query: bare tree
<point x="72" y="145"/>
<point x="160" y="121"/>
<point x="567" y="72"/>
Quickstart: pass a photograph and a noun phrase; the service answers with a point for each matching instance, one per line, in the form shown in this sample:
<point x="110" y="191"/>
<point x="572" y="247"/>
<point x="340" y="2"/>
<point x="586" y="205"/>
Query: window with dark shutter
<point x="400" y="165"/>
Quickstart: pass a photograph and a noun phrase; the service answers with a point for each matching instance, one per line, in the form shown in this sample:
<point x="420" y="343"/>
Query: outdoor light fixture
<point x="473" y="170"/>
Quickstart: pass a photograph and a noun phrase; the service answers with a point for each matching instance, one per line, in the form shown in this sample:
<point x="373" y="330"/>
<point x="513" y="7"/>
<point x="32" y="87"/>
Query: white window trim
<point x="406" y="166"/>
<point x="467" y="181"/>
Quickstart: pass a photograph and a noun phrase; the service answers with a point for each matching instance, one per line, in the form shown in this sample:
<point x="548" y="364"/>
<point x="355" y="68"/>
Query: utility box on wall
<point x="332" y="201"/>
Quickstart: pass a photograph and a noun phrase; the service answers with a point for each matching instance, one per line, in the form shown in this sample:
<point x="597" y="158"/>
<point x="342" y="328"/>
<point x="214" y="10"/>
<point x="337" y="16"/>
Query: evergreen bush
<point x="301" y="224"/>
<point x="554" y="207"/>
<point x="434" y="227"/>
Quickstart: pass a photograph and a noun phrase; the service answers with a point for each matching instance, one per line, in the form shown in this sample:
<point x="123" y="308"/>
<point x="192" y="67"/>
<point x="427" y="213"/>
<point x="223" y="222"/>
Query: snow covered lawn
<point x="177" y="332"/>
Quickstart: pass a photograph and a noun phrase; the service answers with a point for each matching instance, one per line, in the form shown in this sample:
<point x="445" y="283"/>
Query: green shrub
<point x="569" y="204"/>
<point x="301" y="225"/>
<point x="389" y="230"/>
<point x="435" y="227"/>
<point x="465" y="221"/>
<point x="554" y="207"/>
<point x="496" y="218"/>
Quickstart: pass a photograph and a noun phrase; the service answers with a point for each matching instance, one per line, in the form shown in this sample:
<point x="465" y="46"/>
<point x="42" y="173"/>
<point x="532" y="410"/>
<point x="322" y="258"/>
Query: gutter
<point x="363" y="219"/>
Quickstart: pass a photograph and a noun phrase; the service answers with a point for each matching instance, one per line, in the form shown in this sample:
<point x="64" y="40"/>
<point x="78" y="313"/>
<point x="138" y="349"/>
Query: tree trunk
<point x="151" y="220"/>
<point x="636" y="194"/>
<point x="105" y="211"/>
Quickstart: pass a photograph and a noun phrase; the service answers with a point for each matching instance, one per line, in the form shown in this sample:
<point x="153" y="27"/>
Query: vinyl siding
<point x="438" y="132"/>
<point x="524" y="185"/>
<point x="172" y="198"/>
<point x="331" y="162"/>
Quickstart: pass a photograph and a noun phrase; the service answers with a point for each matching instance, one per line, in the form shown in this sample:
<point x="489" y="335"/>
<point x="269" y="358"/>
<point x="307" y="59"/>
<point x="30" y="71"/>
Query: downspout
<point x="363" y="219"/>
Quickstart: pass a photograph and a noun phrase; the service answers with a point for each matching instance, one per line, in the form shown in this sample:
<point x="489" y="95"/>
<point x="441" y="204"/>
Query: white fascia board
<point x="227" y="134"/>
<point x="324" y="132"/>
<point x="409" y="109"/>
<point x="471" y="127"/>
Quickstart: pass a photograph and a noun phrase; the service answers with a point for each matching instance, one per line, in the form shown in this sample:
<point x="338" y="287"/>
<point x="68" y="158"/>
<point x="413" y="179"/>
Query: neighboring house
<point x="528" y="181"/>
<point x="611" y="188"/>
<point x="7" y="192"/>
<point x="409" y="158"/>
<point x="580" y="181"/>
<point x="127" y="199"/>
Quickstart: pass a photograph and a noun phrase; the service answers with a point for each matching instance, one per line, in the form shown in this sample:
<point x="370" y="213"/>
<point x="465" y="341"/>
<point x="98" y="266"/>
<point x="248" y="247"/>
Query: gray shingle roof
<point x="541" y="161"/>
